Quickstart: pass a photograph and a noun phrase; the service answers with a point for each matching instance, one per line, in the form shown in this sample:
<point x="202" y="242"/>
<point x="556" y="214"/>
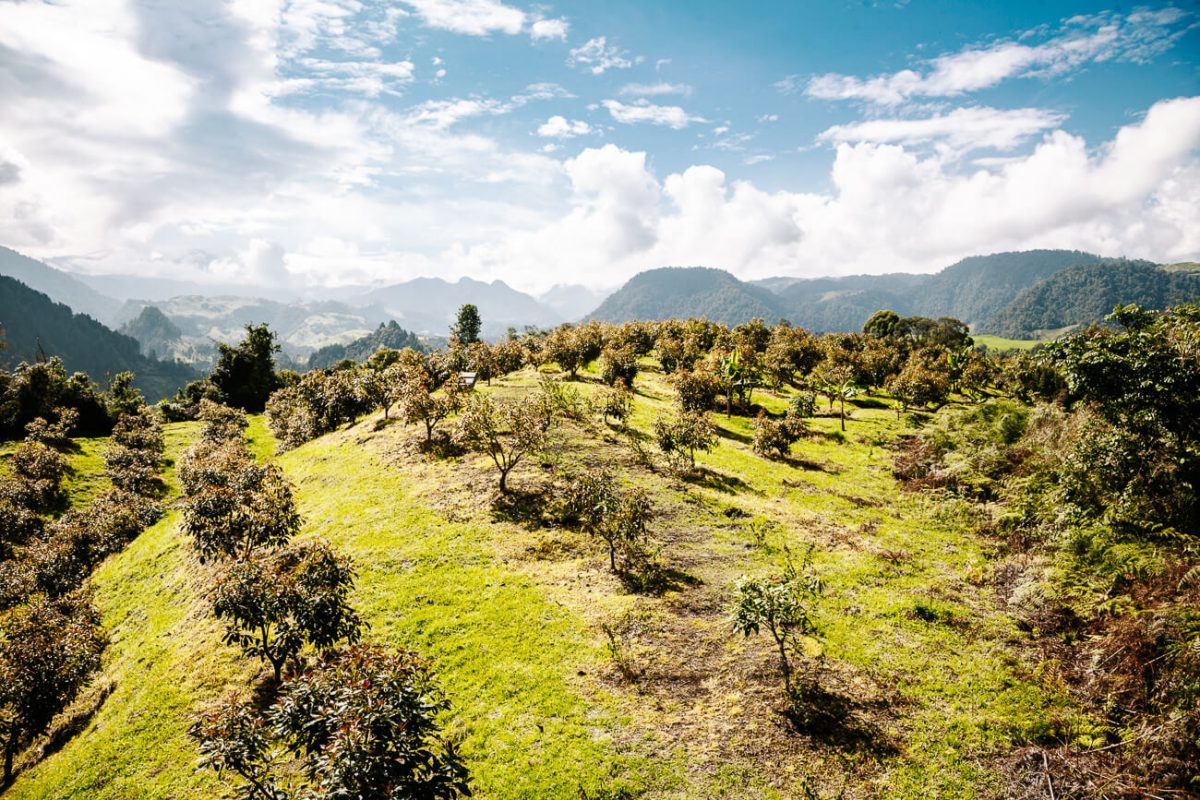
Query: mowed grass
<point x="525" y="625"/>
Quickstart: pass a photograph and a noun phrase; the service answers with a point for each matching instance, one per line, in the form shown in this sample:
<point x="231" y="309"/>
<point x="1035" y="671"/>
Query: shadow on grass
<point x="829" y="717"/>
<point x="657" y="580"/>
<point x="729" y="484"/>
<point x="441" y="446"/>
<point x="726" y="433"/>
<point x="525" y="508"/>
<point x="814" y="466"/>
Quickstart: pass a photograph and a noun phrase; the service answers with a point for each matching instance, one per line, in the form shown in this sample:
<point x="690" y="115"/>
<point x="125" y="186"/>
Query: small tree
<point x="48" y="650"/>
<point x="784" y="605"/>
<point x="239" y="507"/>
<point x="918" y="385"/>
<point x="362" y="724"/>
<point x="221" y="422"/>
<point x="697" y="389"/>
<point x="276" y="603"/>
<point x="505" y="430"/>
<point x="420" y="402"/>
<point x="774" y="437"/>
<point x="615" y="403"/>
<point x="381" y="388"/>
<point x="618" y="364"/>
<point x="680" y="438"/>
<point x="37" y="475"/>
<point x="467" y="325"/>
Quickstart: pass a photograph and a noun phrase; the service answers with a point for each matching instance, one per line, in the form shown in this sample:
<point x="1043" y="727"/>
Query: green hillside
<point x="34" y="325"/>
<point x="515" y="616"/>
<point x="1082" y="295"/>
<point x="683" y="292"/>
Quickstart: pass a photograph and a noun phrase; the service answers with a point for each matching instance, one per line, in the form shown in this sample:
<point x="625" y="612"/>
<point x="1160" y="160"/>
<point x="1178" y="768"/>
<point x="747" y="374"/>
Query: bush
<point x="48" y="650"/>
<point x="615" y="403"/>
<point x="37" y="474"/>
<point x="618" y="364"/>
<point x="235" y="506"/>
<point x="278" y="602"/>
<point x="774" y="437"/>
<point x="680" y="438"/>
<point x="363" y="723"/>
<point x="697" y="390"/>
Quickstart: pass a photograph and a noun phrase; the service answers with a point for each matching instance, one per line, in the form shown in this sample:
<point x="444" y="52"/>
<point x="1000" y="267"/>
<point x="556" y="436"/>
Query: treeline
<point x="51" y="638"/>
<point x="1094" y="501"/>
<point x="345" y="718"/>
<point x="390" y="336"/>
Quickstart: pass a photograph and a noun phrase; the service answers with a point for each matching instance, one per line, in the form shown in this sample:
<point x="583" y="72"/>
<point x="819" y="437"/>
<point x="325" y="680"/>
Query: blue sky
<point x="322" y="142"/>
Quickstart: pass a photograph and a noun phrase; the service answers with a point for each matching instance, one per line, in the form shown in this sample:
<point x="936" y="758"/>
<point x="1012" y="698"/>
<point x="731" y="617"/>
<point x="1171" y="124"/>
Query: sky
<point x="320" y="143"/>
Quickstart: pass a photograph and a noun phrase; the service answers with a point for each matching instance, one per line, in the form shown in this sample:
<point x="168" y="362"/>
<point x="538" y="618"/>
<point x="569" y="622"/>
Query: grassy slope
<point x="999" y="344"/>
<point x="512" y="615"/>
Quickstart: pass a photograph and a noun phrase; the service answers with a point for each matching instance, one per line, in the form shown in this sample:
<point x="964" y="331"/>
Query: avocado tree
<point x="363" y="723"/>
<point x="784" y="605"/>
<point x="505" y="430"/>
<point x="48" y="650"/>
<point x="278" y="602"/>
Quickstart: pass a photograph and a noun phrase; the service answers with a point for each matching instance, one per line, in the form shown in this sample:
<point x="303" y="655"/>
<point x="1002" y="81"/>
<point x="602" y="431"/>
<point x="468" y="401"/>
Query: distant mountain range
<point x="36" y="326"/>
<point x="1020" y="295"/>
<point x="1016" y="294"/>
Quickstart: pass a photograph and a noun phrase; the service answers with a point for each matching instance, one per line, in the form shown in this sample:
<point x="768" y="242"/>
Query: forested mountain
<point x="689" y="292"/>
<point x="428" y="305"/>
<point x="390" y="335"/>
<point x="1085" y="294"/>
<point x="974" y="290"/>
<point x="59" y="286"/>
<point x="154" y="331"/>
<point x="36" y="326"/>
<point x="977" y="288"/>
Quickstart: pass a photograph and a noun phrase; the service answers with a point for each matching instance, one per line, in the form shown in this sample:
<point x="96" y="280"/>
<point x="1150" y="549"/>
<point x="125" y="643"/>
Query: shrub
<point x="681" y="437"/>
<point x="221" y="422"/>
<point x="278" y="602"/>
<point x="55" y="434"/>
<point x="363" y="723"/>
<point x="48" y="650"/>
<point x="697" y="389"/>
<point x="235" y="506"/>
<point x="774" y="437"/>
<point x="616" y="403"/>
<point x="618" y="364"/>
<point x="37" y="473"/>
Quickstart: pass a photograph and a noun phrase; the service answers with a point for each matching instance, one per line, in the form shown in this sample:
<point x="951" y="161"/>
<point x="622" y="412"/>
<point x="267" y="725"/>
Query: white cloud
<point x="561" y="128"/>
<point x="549" y="29"/>
<point x="1097" y="38"/>
<point x="598" y="56"/>
<point x="655" y="89"/>
<point x="765" y="118"/>
<point x="470" y="17"/>
<point x="959" y="130"/>
<point x="757" y="159"/>
<point x="888" y="210"/>
<point x="789" y="84"/>
<point x="643" y="111"/>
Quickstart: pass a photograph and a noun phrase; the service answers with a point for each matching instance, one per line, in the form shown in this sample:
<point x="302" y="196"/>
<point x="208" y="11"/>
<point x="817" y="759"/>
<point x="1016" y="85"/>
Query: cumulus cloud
<point x="598" y="56"/>
<point x="889" y="209"/>
<point x="960" y="130"/>
<point x="558" y="127"/>
<point x="470" y="17"/>
<point x="1137" y="37"/>
<point x="644" y="111"/>
<point x="544" y="29"/>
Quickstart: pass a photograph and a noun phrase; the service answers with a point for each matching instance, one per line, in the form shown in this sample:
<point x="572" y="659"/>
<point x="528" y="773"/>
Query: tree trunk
<point x="612" y="555"/>
<point x="503" y="481"/>
<point x="843" y="414"/>
<point x="785" y="666"/>
<point x="10" y="748"/>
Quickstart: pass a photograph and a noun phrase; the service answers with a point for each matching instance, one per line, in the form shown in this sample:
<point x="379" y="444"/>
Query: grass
<point x="1000" y="345"/>
<point x="564" y="683"/>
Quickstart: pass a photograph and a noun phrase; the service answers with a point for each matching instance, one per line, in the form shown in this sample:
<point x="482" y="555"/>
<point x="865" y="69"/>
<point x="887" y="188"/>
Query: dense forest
<point x="883" y="562"/>
<point x="1080" y="296"/>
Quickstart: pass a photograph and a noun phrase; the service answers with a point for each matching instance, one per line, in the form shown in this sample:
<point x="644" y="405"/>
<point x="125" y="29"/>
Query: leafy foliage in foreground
<point x="361" y="724"/>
